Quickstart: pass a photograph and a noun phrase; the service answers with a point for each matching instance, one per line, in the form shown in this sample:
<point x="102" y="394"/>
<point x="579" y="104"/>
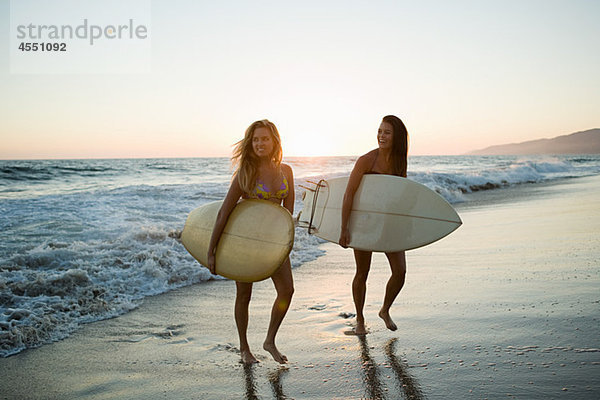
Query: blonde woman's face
<point x="262" y="142"/>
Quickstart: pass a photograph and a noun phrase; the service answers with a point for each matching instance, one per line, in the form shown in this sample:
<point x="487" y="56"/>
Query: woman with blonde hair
<point x="260" y="174"/>
<point x="391" y="157"/>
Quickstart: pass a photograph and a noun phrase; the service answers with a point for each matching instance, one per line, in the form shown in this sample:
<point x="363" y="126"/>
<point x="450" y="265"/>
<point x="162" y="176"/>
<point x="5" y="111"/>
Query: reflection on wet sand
<point x="250" y="382"/>
<point x="371" y="373"/>
<point x="274" y="379"/>
<point x="405" y="381"/>
<point x="407" y="385"/>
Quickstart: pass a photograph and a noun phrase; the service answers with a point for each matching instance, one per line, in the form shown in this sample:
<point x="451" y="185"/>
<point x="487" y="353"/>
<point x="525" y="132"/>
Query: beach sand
<point x="508" y="306"/>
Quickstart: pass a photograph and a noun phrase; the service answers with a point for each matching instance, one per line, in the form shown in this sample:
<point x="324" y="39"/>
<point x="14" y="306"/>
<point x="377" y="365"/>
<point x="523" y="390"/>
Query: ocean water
<point x="84" y="240"/>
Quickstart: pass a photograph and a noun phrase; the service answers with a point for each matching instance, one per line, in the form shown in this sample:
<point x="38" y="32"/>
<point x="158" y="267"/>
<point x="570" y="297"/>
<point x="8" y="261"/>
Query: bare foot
<point x="277" y="356"/>
<point x="360" y="329"/>
<point x="248" y="358"/>
<point x="354" y="332"/>
<point x="385" y="316"/>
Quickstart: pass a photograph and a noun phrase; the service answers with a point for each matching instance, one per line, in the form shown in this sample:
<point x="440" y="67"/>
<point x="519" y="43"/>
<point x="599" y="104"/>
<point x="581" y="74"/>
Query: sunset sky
<point x="462" y="75"/>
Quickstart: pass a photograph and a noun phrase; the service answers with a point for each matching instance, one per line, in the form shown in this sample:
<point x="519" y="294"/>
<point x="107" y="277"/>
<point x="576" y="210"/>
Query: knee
<point x="284" y="298"/>
<point x="399" y="274"/>
<point x="360" y="277"/>
<point x="286" y="292"/>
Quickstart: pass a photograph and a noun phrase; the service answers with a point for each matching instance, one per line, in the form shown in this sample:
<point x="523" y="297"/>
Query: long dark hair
<point x="400" y="145"/>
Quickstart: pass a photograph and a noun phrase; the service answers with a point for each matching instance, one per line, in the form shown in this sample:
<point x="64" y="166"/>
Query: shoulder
<point x="287" y="170"/>
<point x="370" y="156"/>
<point x="366" y="160"/>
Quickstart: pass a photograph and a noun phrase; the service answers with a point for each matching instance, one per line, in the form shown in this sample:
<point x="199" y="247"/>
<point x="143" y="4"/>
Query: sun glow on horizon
<point x="462" y="76"/>
<point x="310" y="144"/>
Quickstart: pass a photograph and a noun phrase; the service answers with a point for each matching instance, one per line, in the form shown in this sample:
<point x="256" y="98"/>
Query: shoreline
<point x="506" y="306"/>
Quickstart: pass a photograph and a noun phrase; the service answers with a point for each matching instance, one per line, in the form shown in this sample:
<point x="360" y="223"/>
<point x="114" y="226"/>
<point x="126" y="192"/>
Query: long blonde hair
<point x="245" y="159"/>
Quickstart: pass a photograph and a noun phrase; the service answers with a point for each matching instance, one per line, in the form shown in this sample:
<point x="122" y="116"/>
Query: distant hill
<point x="586" y="142"/>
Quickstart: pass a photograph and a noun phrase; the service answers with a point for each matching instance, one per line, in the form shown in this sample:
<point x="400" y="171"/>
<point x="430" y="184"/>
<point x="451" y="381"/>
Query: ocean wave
<point x="455" y="177"/>
<point x="18" y="173"/>
<point x="45" y="173"/>
<point x="455" y="186"/>
<point x="61" y="285"/>
<point x="48" y="291"/>
<point x="80" y="250"/>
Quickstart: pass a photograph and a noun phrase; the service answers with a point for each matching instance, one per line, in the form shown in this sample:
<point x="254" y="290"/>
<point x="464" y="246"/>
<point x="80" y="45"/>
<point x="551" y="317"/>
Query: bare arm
<point x="233" y="195"/>
<point x="288" y="202"/>
<point x="360" y="168"/>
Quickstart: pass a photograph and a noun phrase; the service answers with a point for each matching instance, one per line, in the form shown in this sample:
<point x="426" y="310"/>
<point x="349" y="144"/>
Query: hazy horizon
<point x="471" y="153"/>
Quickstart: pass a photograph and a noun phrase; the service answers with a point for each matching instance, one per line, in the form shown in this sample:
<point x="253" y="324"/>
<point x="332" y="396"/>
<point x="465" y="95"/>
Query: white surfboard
<point x="258" y="237"/>
<point x="389" y="214"/>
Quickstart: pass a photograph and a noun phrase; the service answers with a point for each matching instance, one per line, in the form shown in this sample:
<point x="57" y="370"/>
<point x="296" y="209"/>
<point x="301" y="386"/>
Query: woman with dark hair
<point x="261" y="175"/>
<point x="391" y="158"/>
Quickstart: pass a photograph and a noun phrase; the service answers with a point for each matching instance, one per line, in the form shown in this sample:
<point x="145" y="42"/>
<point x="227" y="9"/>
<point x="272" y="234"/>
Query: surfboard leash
<point x="319" y="185"/>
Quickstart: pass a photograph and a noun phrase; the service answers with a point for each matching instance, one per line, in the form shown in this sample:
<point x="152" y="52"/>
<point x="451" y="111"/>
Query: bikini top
<point x="373" y="166"/>
<point x="372" y="172"/>
<point x="261" y="191"/>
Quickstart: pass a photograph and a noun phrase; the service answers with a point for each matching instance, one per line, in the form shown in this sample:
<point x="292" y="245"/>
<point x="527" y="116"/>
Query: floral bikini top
<point x="261" y="191"/>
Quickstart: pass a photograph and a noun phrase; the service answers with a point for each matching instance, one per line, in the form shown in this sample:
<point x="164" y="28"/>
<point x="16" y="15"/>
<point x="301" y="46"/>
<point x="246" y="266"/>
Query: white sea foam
<point x="89" y="239"/>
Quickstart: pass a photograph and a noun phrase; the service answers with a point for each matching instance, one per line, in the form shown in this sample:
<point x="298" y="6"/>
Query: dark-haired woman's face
<point x="262" y="142"/>
<point x="385" y="135"/>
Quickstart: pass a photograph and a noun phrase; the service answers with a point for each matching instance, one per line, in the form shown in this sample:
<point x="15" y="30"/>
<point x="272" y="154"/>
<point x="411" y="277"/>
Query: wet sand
<point x="508" y="306"/>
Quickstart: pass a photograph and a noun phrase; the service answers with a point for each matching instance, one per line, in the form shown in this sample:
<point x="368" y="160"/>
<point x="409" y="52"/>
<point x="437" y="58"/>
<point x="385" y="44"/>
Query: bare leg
<point x="395" y="283"/>
<point x="242" y="301"/>
<point x="359" y="287"/>
<point x="284" y="284"/>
